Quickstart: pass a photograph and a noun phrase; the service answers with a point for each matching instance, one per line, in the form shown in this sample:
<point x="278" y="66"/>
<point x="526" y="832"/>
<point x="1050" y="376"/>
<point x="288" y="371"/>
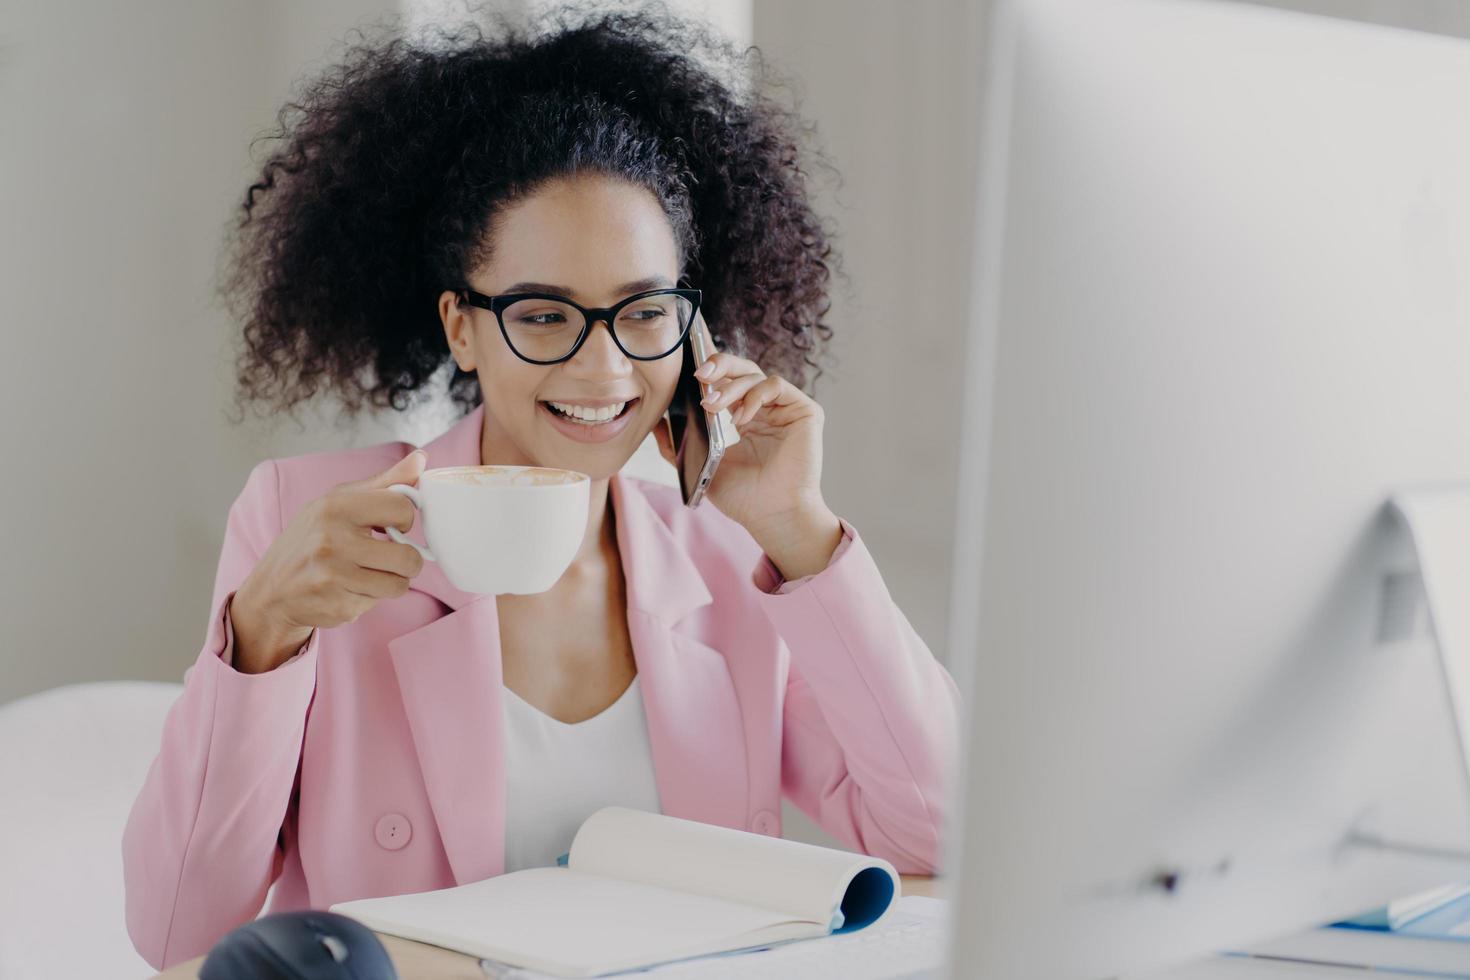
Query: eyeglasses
<point x="544" y="328"/>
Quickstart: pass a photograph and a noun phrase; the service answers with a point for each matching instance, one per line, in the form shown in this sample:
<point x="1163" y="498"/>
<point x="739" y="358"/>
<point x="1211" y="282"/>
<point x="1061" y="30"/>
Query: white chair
<point x="72" y="760"/>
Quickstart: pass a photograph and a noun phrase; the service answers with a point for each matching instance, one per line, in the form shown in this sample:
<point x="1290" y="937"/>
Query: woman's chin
<point x="598" y="462"/>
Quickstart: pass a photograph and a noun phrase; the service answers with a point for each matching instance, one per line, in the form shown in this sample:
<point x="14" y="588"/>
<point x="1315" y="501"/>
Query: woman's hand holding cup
<point x="326" y="568"/>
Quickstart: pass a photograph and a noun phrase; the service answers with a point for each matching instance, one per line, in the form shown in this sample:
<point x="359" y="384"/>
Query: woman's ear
<point x="663" y="434"/>
<point x="458" y="330"/>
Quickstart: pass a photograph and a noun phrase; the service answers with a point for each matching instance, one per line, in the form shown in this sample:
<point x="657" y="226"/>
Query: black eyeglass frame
<point x="498" y="305"/>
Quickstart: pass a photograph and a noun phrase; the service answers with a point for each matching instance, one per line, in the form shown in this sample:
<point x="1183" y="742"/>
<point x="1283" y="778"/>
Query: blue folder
<point x="1449" y="919"/>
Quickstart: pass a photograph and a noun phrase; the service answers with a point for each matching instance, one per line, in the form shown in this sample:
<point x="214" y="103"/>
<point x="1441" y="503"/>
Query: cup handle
<point x="412" y="494"/>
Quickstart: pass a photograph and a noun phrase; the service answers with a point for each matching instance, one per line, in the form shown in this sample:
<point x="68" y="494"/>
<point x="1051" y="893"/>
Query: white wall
<point x="125" y="149"/>
<point x="892" y="90"/>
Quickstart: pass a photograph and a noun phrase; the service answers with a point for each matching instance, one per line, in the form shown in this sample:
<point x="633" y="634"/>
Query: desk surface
<point x="421" y="960"/>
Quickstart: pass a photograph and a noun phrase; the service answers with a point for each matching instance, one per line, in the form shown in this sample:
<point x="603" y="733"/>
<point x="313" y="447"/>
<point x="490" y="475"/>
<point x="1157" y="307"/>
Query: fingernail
<point x="712" y="398"/>
<point x="704" y="370"/>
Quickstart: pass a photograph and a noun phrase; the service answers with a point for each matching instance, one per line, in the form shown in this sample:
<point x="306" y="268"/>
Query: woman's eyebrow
<point x="627" y="288"/>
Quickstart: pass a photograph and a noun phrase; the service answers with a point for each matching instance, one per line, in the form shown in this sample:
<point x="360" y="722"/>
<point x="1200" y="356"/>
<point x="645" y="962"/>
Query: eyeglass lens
<point x="544" y="329"/>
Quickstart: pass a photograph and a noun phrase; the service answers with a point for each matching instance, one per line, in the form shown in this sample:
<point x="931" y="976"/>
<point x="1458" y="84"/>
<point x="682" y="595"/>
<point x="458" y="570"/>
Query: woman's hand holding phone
<point x="770" y="481"/>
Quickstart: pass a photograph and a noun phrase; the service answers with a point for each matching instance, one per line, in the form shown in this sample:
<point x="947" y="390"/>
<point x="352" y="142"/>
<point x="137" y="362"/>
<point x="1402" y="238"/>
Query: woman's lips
<point x="585" y="432"/>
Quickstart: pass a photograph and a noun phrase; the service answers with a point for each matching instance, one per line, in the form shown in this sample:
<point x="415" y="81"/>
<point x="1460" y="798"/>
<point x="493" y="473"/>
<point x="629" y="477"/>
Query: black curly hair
<point x="391" y="167"/>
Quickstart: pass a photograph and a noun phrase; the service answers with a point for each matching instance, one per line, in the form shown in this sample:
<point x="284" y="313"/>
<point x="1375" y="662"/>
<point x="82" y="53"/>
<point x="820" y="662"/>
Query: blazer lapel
<point x="450" y="679"/>
<point x="695" y="729"/>
<point x="449" y="675"/>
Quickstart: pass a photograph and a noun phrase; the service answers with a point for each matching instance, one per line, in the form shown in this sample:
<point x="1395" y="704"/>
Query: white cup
<point x="506" y="530"/>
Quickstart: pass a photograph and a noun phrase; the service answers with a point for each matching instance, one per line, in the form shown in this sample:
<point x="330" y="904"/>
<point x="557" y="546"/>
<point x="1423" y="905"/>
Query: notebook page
<point x="803" y="881"/>
<point x="910" y="942"/>
<point x="569" y="924"/>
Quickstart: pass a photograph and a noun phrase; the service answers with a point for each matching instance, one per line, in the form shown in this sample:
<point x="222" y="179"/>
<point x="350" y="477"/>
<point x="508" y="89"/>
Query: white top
<point x="558" y="775"/>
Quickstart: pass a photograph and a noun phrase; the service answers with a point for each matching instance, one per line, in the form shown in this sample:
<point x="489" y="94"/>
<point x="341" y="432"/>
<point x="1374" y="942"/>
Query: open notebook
<point x="641" y="889"/>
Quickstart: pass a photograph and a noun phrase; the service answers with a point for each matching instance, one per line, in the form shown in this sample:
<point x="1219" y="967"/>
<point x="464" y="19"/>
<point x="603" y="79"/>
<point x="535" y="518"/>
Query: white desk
<point x="1228" y="968"/>
<point x="1411" y="955"/>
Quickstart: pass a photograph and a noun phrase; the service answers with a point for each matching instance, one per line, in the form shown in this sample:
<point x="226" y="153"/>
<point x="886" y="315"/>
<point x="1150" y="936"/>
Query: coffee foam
<point x="503" y="476"/>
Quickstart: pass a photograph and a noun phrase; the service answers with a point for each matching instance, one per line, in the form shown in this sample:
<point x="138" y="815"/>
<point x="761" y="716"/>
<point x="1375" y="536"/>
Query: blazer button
<point x="393" y="831"/>
<point x="764" y="822"/>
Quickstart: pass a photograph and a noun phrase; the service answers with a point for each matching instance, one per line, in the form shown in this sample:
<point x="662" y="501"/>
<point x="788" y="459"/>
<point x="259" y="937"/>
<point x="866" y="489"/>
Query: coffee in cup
<point x="506" y="530"/>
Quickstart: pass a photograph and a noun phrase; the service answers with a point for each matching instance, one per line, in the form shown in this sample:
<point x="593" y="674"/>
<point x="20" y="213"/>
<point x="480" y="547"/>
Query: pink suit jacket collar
<point x="449" y="673"/>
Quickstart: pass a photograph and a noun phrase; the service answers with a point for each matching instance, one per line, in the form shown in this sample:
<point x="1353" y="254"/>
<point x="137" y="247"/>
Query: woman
<point x="356" y="726"/>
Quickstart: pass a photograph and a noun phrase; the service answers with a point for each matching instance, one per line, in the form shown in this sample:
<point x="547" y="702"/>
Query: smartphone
<point x="700" y="437"/>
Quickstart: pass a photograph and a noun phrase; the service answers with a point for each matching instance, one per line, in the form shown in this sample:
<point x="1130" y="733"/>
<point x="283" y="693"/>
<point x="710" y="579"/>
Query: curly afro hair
<point x="390" y="168"/>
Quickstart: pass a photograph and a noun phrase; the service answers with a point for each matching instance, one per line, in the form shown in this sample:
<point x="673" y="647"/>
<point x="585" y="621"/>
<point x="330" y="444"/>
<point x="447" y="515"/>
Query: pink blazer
<point x="372" y="763"/>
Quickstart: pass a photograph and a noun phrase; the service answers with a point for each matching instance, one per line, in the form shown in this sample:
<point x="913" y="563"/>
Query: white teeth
<point x="604" y="414"/>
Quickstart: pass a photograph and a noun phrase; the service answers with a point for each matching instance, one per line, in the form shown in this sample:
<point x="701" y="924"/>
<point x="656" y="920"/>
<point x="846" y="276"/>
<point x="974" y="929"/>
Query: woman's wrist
<point x="259" y="646"/>
<point x="800" y="541"/>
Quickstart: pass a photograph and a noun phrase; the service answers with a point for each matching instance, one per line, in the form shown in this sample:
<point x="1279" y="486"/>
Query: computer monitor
<point x="1222" y="313"/>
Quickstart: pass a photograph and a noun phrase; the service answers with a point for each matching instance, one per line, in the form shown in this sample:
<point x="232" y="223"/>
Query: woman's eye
<point x="543" y="319"/>
<point x="648" y="314"/>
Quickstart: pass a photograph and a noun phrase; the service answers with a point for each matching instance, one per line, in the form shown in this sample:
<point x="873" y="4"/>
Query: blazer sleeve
<point x="207" y="833"/>
<point x="871" y="722"/>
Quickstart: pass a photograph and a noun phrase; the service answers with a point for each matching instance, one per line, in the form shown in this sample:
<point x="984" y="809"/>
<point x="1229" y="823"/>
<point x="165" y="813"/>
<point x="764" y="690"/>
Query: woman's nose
<point x="600" y="352"/>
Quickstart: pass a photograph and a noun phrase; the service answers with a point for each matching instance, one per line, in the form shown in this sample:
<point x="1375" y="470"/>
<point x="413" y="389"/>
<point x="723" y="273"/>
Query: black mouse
<point x="307" y="945"/>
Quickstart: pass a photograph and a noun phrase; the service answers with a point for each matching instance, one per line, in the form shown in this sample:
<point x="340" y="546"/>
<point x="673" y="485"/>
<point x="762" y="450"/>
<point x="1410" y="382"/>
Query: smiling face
<point x="596" y="240"/>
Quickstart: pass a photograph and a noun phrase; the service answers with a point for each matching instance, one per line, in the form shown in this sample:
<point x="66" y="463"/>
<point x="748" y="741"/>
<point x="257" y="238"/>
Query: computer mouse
<point x="308" y="945"/>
